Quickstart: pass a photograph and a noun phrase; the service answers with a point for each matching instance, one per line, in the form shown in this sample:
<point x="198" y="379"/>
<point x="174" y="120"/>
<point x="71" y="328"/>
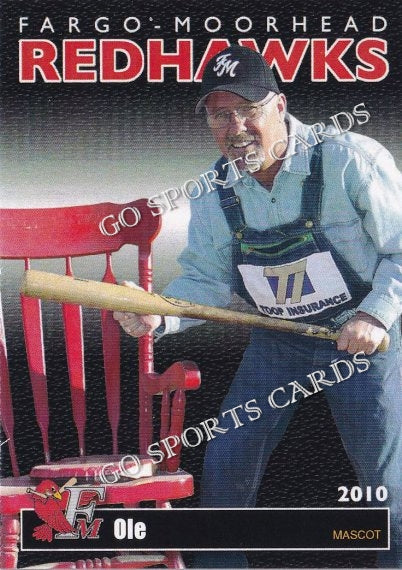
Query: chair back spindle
<point x="73" y="334"/>
<point x="111" y="359"/>
<point x="6" y="405"/>
<point x="35" y="350"/>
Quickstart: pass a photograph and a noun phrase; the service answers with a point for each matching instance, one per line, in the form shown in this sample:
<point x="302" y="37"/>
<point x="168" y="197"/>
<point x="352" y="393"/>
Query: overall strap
<point x="313" y="187"/>
<point x="229" y="201"/>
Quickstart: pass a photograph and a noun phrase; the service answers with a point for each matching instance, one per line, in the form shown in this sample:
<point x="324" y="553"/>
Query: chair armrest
<point x="183" y="375"/>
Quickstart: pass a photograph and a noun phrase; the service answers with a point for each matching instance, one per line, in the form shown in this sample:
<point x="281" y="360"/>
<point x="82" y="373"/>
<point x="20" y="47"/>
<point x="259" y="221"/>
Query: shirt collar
<point x="298" y="159"/>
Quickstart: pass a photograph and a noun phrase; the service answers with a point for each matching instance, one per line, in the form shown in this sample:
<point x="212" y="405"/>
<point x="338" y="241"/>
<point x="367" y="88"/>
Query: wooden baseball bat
<point x="99" y="295"/>
<point x="70" y="483"/>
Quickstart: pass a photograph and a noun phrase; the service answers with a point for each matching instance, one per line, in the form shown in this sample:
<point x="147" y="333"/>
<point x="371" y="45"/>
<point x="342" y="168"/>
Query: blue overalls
<point x="292" y="271"/>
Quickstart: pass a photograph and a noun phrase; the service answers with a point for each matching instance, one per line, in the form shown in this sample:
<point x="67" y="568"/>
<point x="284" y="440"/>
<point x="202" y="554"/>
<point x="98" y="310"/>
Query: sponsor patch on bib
<point x="306" y="286"/>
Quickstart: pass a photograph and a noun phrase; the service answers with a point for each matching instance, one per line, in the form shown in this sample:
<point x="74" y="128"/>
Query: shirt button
<point x="273" y="200"/>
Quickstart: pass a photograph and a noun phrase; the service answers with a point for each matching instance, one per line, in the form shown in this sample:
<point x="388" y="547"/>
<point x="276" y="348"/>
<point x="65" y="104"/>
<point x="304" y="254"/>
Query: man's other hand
<point x="361" y="333"/>
<point x="137" y="325"/>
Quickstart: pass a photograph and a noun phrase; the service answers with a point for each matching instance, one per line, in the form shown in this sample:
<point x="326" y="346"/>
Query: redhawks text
<point x="91" y="60"/>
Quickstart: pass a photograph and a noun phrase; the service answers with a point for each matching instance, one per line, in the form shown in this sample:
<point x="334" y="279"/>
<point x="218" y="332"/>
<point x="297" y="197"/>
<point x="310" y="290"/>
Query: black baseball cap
<point x="239" y="70"/>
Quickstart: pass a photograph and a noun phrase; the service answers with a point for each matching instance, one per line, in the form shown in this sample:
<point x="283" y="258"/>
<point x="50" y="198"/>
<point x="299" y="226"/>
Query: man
<point x="308" y="227"/>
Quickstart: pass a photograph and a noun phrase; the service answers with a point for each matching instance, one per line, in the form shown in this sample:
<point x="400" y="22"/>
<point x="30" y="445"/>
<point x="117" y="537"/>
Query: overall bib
<point x="292" y="271"/>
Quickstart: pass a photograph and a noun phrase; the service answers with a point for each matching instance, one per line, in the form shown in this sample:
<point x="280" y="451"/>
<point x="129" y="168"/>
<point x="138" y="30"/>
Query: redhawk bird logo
<point x="50" y="501"/>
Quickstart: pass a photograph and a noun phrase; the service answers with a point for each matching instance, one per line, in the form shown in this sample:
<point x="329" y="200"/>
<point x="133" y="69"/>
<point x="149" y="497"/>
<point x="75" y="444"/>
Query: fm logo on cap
<point x="224" y="65"/>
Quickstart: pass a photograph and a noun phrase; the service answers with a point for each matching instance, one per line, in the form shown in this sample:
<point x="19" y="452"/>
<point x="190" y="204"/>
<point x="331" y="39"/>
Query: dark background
<point x="66" y="144"/>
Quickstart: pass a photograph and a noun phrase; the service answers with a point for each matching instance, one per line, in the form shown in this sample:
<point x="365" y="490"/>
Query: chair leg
<point x="9" y="537"/>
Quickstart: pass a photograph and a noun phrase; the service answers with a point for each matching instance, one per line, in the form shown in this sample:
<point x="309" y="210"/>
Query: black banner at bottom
<point x="215" y="529"/>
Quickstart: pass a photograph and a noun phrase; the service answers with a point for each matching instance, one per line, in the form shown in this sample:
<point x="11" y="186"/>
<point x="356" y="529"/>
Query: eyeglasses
<point x="250" y="112"/>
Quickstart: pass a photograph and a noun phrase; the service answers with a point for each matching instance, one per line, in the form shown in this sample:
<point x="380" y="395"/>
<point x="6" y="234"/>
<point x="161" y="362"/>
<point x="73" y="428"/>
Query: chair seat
<point x="90" y="467"/>
<point x="162" y="486"/>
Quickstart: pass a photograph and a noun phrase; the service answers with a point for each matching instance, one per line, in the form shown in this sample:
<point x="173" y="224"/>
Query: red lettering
<point x="182" y="59"/>
<point x="324" y="59"/>
<point x="91" y="531"/>
<point x="38" y="55"/>
<point x="377" y="66"/>
<point x="249" y="42"/>
<point x="134" y="60"/>
<point x="213" y="47"/>
<point x="287" y="64"/>
<point x="75" y="58"/>
<point x="37" y="58"/>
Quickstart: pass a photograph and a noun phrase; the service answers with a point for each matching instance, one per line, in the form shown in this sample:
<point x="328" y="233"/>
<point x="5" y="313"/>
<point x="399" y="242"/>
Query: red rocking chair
<point x="67" y="233"/>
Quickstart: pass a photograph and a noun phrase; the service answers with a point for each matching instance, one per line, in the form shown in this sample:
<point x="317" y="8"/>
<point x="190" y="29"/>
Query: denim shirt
<point x="361" y="216"/>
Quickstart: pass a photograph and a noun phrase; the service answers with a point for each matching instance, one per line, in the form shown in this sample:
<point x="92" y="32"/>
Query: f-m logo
<point x="289" y="281"/>
<point x="225" y="65"/>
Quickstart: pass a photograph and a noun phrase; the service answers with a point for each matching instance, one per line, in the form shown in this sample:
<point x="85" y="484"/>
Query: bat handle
<point x="68" y="483"/>
<point x="382" y="347"/>
<point x="32" y="492"/>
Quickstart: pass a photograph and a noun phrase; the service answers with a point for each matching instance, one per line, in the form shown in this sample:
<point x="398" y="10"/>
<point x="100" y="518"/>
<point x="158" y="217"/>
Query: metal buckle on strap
<point x="229" y="202"/>
<point x="239" y="233"/>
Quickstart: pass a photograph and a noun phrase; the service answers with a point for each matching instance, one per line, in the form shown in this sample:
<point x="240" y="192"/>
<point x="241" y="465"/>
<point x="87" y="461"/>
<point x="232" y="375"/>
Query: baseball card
<point x="201" y="285"/>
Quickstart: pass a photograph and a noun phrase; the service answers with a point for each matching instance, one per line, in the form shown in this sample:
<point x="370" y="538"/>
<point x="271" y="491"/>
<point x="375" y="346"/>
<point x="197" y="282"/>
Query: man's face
<point x="242" y="136"/>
